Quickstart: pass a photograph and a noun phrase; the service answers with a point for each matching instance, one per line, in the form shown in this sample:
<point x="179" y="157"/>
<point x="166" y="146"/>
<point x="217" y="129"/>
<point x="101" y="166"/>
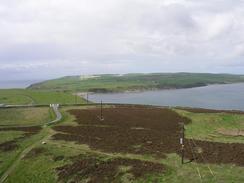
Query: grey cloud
<point x="94" y="36"/>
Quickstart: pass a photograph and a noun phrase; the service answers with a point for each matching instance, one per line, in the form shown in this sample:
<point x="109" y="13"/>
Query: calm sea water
<point x="229" y="96"/>
<point x="17" y="84"/>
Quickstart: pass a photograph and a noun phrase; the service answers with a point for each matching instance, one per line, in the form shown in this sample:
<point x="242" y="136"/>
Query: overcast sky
<point x="52" y="38"/>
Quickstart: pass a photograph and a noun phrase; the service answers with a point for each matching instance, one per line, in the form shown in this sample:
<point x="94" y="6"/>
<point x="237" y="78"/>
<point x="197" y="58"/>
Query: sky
<point x="52" y="38"/>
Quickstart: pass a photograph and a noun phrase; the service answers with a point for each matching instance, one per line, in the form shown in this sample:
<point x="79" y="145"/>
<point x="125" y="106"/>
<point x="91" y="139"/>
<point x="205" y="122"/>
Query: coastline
<point x="214" y="96"/>
<point x="156" y="89"/>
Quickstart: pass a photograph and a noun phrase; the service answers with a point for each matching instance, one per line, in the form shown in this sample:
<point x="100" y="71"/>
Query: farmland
<point x="23" y="96"/>
<point x="132" y="144"/>
<point x="130" y="82"/>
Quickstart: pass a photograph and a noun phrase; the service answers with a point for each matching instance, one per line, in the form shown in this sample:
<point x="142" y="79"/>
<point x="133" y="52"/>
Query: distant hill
<point x="130" y="82"/>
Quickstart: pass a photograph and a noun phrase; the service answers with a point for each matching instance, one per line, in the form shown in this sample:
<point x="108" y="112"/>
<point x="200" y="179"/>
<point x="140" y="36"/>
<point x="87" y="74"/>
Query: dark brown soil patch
<point x="8" y="146"/>
<point x="11" y="145"/>
<point x="94" y="169"/>
<point x="58" y="158"/>
<point x="215" y="152"/>
<point x="158" y="135"/>
<point x="35" y="152"/>
<point x="121" y="135"/>
<point x="201" y="110"/>
<point x="33" y="129"/>
<point x="29" y="131"/>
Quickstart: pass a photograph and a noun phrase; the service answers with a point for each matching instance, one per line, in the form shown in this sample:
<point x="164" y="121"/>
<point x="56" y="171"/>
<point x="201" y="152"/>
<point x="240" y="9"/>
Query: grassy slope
<point x="7" y="158"/>
<point x="41" y="168"/>
<point x="9" y="135"/>
<point x="22" y="96"/>
<point x="18" y="117"/>
<point x="115" y="83"/>
<point x="205" y="126"/>
<point x="25" y="116"/>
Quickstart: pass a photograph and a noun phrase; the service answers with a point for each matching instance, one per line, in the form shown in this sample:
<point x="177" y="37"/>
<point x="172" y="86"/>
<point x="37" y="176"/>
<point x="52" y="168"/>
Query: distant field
<point x="22" y="96"/>
<point x="25" y="116"/>
<point x="118" y="83"/>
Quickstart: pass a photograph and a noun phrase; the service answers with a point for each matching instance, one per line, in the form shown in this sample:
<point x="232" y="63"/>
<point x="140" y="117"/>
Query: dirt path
<point x="29" y="148"/>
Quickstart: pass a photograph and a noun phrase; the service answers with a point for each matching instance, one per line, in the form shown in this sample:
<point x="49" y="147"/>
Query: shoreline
<point x="215" y="96"/>
<point x="156" y="89"/>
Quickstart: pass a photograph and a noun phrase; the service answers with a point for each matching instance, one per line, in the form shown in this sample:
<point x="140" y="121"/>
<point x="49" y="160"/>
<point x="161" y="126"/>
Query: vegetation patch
<point x="10" y="135"/>
<point x="24" y="96"/>
<point x="117" y="83"/>
<point x="8" y="146"/>
<point x="35" y="152"/>
<point x="201" y="110"/>
<point x="161" y="138"/>
<point x="96" y="169"/>
<point x="58" y="158"/>
<point x="234" y="132"/>
<point x="28" y="130"/>
<point x="24" y="116"/>
<point x="161" y="124"/>
<point x="214" y="126"/>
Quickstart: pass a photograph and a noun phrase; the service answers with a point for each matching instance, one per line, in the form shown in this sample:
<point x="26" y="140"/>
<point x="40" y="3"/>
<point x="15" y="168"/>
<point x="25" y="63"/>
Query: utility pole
<point x="182" y="142"/>
<point x="101" y="111"/>
<point x="87" y="98"/>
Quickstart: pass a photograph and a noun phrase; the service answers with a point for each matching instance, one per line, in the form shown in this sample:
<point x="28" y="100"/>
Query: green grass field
<point x="9" y="157"/>
<point x="17" y="117"/>
<point x="118" y="83"/>
<point x="207" y="126"/>
<point x="23" y="96"/>
<point x="25" y="116"/>
<point x="40" y="167"/>
<point x="9" y="135"/>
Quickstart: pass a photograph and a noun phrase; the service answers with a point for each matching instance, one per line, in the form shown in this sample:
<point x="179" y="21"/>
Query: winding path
<point x="58" y="115"/>
<point x="29" y="148"/>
